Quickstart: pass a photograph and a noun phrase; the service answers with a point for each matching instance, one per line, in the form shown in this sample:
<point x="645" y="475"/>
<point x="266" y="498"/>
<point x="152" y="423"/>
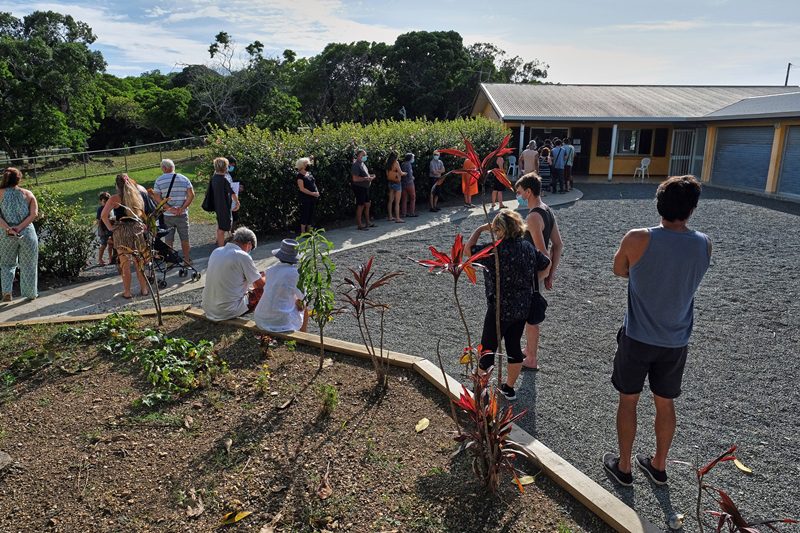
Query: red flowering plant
<point x="486" y="438"/>
<point x="477" y="174"/>
<point x="728" y="518"/>
<point x="455" y="265"/>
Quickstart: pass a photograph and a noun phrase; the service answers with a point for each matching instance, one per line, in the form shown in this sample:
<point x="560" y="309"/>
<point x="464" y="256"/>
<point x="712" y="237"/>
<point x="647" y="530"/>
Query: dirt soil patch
<point x="85" y="458"/>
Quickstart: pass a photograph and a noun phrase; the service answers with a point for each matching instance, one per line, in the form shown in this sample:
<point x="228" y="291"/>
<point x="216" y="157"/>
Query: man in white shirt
<point x="180" y="192"/>
<point x="281" y="308"/>
<point x="229" y="275"/>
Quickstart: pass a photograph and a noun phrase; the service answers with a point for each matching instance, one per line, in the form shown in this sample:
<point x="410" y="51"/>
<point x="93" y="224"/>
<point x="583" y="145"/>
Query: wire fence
<point x="56" y="165"/>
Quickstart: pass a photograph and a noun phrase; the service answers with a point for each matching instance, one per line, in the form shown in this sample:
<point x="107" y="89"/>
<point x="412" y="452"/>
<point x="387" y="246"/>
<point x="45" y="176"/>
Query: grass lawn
<point x="84" y="191"/>
<point x="101" y="164"/>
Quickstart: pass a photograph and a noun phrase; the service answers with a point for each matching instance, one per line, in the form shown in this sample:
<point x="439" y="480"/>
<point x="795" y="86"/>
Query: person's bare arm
<point x="555" y="256"/>
<point x="473" y="240"/>
<point x="535" y="225"/>
<point x="105" y="215"/>
<point x="189" y="199"/>
<point x="33" y="213"/>
<point x="630" y="251"/>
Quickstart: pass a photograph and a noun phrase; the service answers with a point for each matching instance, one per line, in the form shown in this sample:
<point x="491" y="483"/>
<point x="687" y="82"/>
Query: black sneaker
<point x="611" y="465"/>
<point x="508" y="392"/>
<point x="659" y="477"/>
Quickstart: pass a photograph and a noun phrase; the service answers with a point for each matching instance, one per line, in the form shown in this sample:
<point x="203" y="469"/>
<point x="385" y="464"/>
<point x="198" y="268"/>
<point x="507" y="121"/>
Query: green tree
<point x="48" y="75"/>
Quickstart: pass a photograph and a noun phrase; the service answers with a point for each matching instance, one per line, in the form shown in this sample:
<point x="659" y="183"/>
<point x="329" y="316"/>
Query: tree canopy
<point x="54" y="91"/>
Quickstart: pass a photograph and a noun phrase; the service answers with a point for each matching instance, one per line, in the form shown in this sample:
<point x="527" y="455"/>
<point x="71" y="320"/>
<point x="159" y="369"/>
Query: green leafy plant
<point x="329" y="395"/>
<point x="265" y="159"/>
<point x="291" y="345"/>
<point x="316" y="275"/>
<point x="360" y="298"/>
<point x="262" y="380"/>
<point x="66" y="237"/>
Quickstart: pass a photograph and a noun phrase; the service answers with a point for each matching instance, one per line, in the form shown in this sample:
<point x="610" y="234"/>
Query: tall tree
<point x="48" y="95"/>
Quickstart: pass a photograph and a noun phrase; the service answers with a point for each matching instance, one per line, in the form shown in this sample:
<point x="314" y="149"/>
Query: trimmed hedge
<point x="66" y="237"/>
<point x="265" y="163"/>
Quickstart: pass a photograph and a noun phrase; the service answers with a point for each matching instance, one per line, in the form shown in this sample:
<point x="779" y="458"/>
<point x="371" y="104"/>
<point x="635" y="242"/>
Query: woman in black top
<point x="519" y="261"/>
<point x="307" y="193"/>
<point x="223" y="197"/>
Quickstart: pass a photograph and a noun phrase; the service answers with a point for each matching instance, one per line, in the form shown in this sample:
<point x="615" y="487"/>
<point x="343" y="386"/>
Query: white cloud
<point x="139" y="44"/>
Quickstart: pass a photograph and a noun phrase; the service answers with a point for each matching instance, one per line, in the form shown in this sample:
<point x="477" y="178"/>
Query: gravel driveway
<point x="740" y="383"/>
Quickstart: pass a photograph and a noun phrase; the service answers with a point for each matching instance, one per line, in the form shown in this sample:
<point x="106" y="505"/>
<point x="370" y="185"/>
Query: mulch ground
<point x="85" y="459"/>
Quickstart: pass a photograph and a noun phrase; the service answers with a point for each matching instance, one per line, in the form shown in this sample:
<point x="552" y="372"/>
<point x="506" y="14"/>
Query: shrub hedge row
<point x="265" y="163"/>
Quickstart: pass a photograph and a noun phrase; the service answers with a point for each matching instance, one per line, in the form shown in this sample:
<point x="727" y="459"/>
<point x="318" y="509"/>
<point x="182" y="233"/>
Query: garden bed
<point x="255" y="440"/>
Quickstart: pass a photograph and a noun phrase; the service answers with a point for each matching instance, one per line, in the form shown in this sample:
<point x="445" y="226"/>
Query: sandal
<point x="362" y="228"/>
<point x="101" y="263"/>
<point x="127" y="296"/>
<point x="400" y="221"/>
<point x="371" y="225"/>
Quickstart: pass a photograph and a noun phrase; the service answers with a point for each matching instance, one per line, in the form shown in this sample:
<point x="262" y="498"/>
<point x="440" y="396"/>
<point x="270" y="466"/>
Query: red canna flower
<point x="453" y="263"/>
<point x="479" y="170"/>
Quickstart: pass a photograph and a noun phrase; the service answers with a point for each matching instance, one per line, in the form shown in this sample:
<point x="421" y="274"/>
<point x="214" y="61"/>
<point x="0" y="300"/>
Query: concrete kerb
<point x="62" y="319"/>
<point x="589" y="493"/>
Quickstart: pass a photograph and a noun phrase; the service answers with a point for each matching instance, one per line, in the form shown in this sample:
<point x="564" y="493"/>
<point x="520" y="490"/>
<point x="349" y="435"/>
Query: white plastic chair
<point x="512" y="167"/>
<point x="642" y="169"/>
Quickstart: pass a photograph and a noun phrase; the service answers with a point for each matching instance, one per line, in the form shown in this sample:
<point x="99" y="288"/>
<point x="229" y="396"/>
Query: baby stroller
<point x="165" y="258"/>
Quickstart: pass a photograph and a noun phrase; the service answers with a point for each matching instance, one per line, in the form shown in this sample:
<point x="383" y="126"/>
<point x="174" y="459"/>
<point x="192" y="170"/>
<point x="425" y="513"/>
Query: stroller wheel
<point x="196" y="276"/>
<point x="182" y="273"/>
<point x="151" y="278"/>
<point x="162" y="284"/>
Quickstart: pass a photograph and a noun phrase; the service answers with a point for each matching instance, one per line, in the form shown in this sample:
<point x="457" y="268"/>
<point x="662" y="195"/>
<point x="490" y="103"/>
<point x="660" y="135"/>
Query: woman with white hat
<point x="281" y="307"/>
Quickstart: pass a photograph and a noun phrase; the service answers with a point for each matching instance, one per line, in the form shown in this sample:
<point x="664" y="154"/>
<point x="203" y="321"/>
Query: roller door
<point x="741" y="157"/>
<point x="789" y="182"/>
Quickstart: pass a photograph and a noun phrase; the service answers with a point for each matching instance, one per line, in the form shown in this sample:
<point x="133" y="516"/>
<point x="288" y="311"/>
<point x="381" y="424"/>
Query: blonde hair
<point x="221" y="165"/>
<point x="508" y="225"/>
<point x="303" y="162"/>
<point x="129" y="196"/>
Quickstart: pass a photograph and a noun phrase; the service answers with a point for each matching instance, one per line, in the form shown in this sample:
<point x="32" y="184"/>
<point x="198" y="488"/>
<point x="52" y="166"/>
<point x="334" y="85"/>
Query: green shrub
<point x="265" y="163"/>
<point x="66" y="236"/>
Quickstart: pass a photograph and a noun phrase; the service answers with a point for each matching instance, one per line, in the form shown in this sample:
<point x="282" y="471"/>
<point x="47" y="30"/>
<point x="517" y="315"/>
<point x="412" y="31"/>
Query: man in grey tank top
<point x="664" y="266"/>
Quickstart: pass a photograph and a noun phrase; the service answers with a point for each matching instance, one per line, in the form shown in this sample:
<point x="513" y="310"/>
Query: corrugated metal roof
<point x="599" y="102"/>
<point x="762" y="106"/>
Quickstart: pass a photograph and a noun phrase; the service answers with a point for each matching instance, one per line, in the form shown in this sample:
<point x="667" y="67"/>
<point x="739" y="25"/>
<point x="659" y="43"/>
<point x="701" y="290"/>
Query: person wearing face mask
<point x="436" y="176"/>
<point x="361" y="179"/>
<point x="408" y="200"/>
<point x="542" y="231"/>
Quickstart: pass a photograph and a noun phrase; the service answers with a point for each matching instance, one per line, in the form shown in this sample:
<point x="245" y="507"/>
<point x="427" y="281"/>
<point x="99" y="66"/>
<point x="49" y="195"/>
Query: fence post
<point x="125" y="155"/>
<point x="160" y="155"/>
<point x="85" y="174"/>
<point x="35" y="175"/>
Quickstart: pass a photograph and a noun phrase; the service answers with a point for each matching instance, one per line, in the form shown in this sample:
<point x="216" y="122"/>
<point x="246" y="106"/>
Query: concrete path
<point x="103" y="295"/>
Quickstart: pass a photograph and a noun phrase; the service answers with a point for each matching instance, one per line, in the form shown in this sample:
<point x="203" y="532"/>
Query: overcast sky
<point x="697" y="42"/>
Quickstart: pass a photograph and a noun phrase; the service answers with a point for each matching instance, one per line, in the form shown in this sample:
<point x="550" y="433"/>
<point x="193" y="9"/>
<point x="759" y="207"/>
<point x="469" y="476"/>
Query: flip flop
<point x="362" y="228"/>
<point x="127" y="296"/>
<point x="372" y="225"/>
<point x="398" y="221"/>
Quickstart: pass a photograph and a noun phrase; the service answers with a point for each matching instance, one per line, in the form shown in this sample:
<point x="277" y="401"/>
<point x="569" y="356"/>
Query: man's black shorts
<point x="362" y="194"/>
<point x="636" y="360"/>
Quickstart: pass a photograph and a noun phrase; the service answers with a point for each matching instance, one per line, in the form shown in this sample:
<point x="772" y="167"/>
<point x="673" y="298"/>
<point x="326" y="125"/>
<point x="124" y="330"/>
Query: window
<point x="634" y="142"/>
<point x="627" y="142"/>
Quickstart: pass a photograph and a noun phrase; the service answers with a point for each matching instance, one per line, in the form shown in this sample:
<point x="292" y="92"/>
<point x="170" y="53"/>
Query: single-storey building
<point x="738" y="137"/>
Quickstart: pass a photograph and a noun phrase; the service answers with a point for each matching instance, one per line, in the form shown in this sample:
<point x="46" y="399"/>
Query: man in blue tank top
<point x="664" y="266"/>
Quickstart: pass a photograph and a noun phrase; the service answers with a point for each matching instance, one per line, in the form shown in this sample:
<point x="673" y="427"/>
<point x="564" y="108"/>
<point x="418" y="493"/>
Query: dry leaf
<point x="233" y="517"/>
<point x="740" y="465"/>
<point x="327" y="362"/>
<point x="286" y="404"/>
<point x="270" y="528"/>
<point x="465" y="359"/>
<point x="526" y="480"/>
<point x="188" y="421"/>
<point x="324" y="490"/>
<point x="422" y="425"/>
<point x="196" y="508"/>
<point x="228" y="444"/>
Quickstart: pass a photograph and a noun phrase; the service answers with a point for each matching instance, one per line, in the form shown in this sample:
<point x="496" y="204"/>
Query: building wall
<point x="624" y="165"/>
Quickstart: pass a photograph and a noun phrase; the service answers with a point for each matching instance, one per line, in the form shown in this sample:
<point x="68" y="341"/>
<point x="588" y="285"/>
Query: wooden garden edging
<point x="584" y="489"/>
<point x="66" y="319"/>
